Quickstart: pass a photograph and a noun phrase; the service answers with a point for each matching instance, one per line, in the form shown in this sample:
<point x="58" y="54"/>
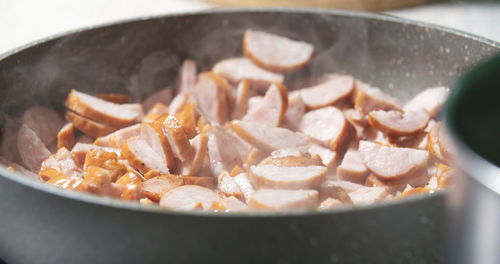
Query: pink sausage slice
<point x="392" y="163"/>
<point x="430" y="100"/>
<point x="117" y="138"/>
<point x="352" y="168"/>
<point x="271" y="111"/>
<point x="327" y="126"/>
<point x="369" y="99"/>
<point x="184" y="196"/>
<point x="31" y="148"/>
<point x="329" y="92"/>
<point x="45" y="122"/>
<point x="268" y="138"/>
<point x="292" y="178"/>
<point x="273" y="200"/>
<point x="187" y="77"/>
<point x="395" y="123"/>
<point x="163" y="96"/>
<point x="211" y="97"/>
<point x="276" y="53"/>
<point x="237" y="69"/>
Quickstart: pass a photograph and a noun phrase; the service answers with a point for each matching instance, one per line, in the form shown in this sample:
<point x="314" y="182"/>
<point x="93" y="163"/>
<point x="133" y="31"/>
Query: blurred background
<point x="23" y="21"/>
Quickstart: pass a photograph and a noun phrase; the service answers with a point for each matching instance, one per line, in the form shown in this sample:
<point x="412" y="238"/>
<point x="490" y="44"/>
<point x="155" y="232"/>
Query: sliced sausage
<point x="119" y="137"/>
<point x="156" y="139"/>
<point x="98" y="181"/>
<point x="228" y="186"/>
<point x="184" y="196"/>
<point x="292" y="161"/>
<point x="130" y="186"/>
<point x="188" y="118"/>
<point x="211" y="97"/>
<point x="45" y="122"/>
<point x="200" y="144"/>
<point x="271" y="111"/>
<point x="328" y="93"/>
<point x="156" y="187"/>
<point x="89" y="127"/>
<point x="369" y="99"/>
<point x="439" y="143"/>
<point x="338" y="190"/>
<point x="276" y="53"/>
<point x="136" y="108"/>
<point x="368" y="195"/>
<point x="327" y="156"/>
<point x="232" y="204"/>
<point x="31" y="148"/>
<point x="237" y="69"/>
<point x="329" y="204"/>
<point x="352" y="168"/>
<point x="392" y="163"/>
<point x="116" y="98"/>
<point x="243" y="92"/>
<point x="80" y="150"/>
<point x="106" y="160"/>
<point x="143" y="157"/>
<point x="294" y="111"/>
<point x="430" y="100"/>
<point x="63" y="162"/>
<point x="255" y="157"/>
<point x="66" y="137"/>
<point x="222" y="151"/>
<point x="274" y="200"/>
<point x="178" y="103"/>
<point x="395" y="123"/>
<point x="155" y="112"/>
<point x="276" y="177"/>
<point x="328" y="127"/>
<point x="99" y="110"/>
<point x="268" y="138"/>
<point x="177" y="138"/>
<point x="207" y="182"/>
<point x="186" y="80"/>
<point x="246" y="187"/>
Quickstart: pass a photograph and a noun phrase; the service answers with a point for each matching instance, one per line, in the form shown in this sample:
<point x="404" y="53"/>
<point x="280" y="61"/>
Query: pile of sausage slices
<point x="235" y="139"/>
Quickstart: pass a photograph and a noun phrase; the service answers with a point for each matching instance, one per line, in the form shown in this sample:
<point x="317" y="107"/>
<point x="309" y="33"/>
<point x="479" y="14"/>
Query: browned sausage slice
<point x="99" y="110"/>
<point x="187" y="77"/>
<point x="243" y="93"/>
<point x="246" y="187"/>
<point x="352" y="168"/>
<point x="329" y="92"/>
<point x="155" y="112"/>
<point x="156" y="139"/>
<point x="142" y="156"/>
<point x="392" y="163"/>
<point x="116" y="98"/>
<point x="184" y="196"/>
<point x="80" y="150"/>
<point x="328" y="156"/>
<point x="45" y="122"/>
<point x="63" y="162"/>
<point x="211" y="97"/>
<point x="276" y="177"/>
<point x="228" y="186"/>
<point x="292" y="161"/>
<point x="66" y="137"/>
<point x="284" y="200"/>
<point x="31" y="148"/>
<point x="430" y="100"/>
<point x="330" y="188"/>
<point x="369" y="99"/>
<point x="117" y="138"/>
<point x="327" y="126"/>
<point x="268" y="138"/>
<point x="177" y="138"/>
<point x="178" y="103"/>
<point x="156" y="187"/>
<point x="271" y="111"/>
<point x="89" y="127"/>
<point x="395" y="123"/>
<point x="276" y="53"/>
<point x="237" y="69"/>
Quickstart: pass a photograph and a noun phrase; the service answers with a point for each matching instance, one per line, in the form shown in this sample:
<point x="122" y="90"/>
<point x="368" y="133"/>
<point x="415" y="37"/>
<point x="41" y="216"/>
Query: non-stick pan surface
<point x="41" y="224"/>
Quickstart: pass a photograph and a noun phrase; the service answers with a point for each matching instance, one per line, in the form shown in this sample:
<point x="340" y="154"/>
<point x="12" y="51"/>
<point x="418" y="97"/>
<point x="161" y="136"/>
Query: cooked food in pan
<point x="235" y="139"/>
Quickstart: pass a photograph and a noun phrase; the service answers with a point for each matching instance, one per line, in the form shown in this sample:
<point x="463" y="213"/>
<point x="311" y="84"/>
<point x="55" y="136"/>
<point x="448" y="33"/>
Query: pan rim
<point x="125" y="205"/>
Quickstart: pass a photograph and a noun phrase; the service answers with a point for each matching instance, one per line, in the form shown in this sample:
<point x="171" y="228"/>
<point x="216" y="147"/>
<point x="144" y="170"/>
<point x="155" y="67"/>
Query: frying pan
<point x="42" y="224"/>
